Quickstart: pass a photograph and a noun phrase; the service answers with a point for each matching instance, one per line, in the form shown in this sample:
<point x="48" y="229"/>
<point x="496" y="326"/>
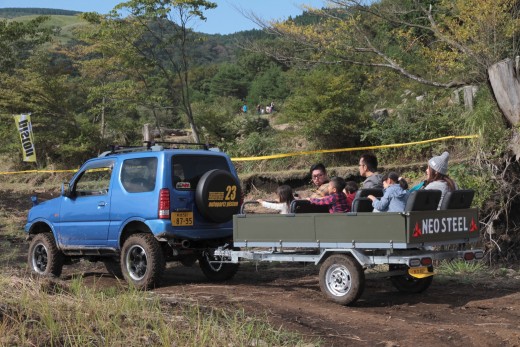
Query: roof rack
<point x="206" y="146"/>
<point x="152" y="145"/>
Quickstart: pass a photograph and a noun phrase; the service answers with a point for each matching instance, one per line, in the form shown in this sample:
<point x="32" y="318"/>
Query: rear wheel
<point x="342" y="279"/>
<point x="407" y="283"/>
<point x="142" y="261"/>
<point x="215" y="270"/>
<point x="44" y="256"/>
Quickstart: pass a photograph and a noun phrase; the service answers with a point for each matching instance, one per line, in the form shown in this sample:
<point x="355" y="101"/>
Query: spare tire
<point x="218" y="196"/>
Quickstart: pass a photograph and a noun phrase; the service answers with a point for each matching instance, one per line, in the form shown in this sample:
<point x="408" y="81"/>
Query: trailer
<point x="345" y="245"/>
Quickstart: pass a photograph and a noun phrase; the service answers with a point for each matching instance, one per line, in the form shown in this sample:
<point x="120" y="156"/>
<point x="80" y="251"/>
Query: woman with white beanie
<point x="437" y="175"/>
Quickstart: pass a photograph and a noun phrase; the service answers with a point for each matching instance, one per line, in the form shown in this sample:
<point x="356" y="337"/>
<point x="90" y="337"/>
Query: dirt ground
<point x="454" y="311"/>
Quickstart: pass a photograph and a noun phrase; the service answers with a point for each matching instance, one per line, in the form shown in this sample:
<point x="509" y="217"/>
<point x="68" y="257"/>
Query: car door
<point x="85" y="211"/>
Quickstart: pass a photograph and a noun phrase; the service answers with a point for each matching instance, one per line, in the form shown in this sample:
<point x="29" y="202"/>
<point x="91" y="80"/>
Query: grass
<point x="50" y="313"/>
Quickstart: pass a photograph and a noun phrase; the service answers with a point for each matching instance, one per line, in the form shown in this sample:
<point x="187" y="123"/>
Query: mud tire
<point x="44" y="257"/>
<point x="113" y="267"/>
<point x="142" y="261"/>
<point x="217" y="272"/>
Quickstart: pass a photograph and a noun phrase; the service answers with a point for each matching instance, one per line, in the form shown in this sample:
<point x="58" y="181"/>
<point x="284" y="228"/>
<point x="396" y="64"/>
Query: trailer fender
<point x="361" y="258"/>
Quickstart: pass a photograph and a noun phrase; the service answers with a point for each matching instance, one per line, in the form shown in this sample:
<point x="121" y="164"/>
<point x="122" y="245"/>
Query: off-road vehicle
<point x="137" y="208"/>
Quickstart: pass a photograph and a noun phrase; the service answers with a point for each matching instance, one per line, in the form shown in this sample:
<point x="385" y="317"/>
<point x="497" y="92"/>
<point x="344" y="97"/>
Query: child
<point x="351" y="188"/>
<point x="285" y="197"/>
<point x="395" y="196"/>
<point x="337" y="200"/>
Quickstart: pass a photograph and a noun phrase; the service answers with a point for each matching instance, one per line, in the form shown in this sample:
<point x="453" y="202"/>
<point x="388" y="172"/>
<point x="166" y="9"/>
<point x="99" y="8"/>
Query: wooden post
<point x="146" y="133"/>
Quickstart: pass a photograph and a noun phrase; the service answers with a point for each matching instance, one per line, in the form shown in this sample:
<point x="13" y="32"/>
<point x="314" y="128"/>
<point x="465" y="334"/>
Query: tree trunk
<point x="506" y="86"/>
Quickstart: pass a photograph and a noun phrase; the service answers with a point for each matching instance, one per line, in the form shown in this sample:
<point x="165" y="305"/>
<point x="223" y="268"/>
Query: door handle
<point x="102" y="204"/>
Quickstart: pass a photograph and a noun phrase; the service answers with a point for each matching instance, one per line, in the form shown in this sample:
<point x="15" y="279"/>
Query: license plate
<point x="182" y="218"/>
<point x="419" y="272"/>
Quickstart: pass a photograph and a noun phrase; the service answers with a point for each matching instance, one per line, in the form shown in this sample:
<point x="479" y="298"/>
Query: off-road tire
<point x="44" y="257"/>
<point x="113" y="267"/>
<point x="217" y="272"/>
<point x="142" y="261"/>
<point x="342" y="279"/>
<point x="409" y="284"/>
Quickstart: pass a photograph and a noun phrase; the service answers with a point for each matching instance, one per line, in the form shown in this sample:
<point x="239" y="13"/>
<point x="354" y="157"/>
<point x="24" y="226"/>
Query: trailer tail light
<point x="414" y="262"/>
<point x="479" y="254"/>
<point x="426" y="261"/>
<point x="469" y="256"/>
<point x="164" y="204"/>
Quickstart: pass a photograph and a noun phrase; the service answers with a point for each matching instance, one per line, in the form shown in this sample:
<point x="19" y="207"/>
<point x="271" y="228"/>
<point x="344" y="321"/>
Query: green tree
<point x="229" y="81"/>
<point x="19" y="39"/>
<point x="326" y="104"/>
<point x="161" y="36"/>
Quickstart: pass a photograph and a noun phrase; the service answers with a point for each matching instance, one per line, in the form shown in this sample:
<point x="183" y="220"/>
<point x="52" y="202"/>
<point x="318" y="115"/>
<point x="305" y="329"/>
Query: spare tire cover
<point x="218" y="196"/>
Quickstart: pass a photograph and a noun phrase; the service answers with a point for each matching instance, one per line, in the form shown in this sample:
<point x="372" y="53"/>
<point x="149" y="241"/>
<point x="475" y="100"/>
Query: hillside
<point x="14" y="12"/>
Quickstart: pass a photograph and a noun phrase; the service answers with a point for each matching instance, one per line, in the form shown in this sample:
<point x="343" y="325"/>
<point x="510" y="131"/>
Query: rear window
<point x="187" y="170"/>
<point x="138" y="175"/>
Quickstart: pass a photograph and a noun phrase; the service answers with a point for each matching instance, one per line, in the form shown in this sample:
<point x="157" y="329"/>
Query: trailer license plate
<point x="180" y="219"/>
<point x="418" y="271"/>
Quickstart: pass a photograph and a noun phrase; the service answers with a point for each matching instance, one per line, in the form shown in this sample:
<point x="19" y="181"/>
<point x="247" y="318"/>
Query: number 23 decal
<point x="231" y="193"/>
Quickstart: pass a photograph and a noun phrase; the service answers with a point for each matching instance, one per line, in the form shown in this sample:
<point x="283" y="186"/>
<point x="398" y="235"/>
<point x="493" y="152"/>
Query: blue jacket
<point x="393" y="200"/>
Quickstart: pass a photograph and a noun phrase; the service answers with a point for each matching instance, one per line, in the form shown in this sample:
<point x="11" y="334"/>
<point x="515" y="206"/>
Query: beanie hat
<point x="440" y="163"/>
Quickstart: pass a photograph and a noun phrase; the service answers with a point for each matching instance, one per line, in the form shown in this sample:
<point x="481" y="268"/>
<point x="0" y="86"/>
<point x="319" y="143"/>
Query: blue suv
<point x="134" y="209"/>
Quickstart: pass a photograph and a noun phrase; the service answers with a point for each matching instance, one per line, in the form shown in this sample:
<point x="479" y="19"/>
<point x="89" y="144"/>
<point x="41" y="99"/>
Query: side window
<point x="138" y="175"/>
<point x="94" y="182"/>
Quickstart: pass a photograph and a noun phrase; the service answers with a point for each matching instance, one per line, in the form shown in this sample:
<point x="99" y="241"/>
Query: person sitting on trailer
<point x="336" y="199"/>
<point x="285" y="197"/>
<point x="395" y="196"/>
<point x="320" y="180"/>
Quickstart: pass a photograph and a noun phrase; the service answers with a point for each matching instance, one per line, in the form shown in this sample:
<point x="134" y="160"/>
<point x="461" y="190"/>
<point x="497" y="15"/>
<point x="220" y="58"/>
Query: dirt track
<point x="452" y="312"/>
<point x="449" y="313"/>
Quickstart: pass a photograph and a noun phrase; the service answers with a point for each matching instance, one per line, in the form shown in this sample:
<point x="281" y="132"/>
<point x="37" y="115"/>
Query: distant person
<point x="320" y="181"/>
<point x="368" y="169"/>
<point x="437" y="175"/>
<point x="244" y="108"/>
<point x="285" y="197"/>
<point x="258" y="109"/>
<point x="351" y="189"/>
<point x="336" y="199"/>
<point x="272" y="106"/>
<point x="395" y="195"/>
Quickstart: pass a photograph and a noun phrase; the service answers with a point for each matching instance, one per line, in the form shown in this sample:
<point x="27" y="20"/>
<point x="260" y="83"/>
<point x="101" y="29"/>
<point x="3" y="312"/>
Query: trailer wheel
<point x="342" y="279"/>
<point x="409" y="284"/>
<point x="142" y="261"/>
<point x="215" y="271"/>
<point x="44" y="256"/>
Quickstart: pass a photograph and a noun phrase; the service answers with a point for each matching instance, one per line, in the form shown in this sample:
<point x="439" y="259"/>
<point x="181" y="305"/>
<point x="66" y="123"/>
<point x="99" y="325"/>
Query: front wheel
<point x="342" y="279"/>
<point x="214" y="270"/>
<point x="44" y="256"/>
<point x="409" y="284"/>
<point x="142" y="261"/>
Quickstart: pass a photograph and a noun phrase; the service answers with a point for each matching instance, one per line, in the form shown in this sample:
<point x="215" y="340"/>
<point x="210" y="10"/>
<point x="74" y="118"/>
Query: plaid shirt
<point x="337" y="202"/>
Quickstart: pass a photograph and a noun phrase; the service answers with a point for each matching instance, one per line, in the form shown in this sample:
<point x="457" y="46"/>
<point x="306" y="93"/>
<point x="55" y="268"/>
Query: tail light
<point x="164" y="204"/>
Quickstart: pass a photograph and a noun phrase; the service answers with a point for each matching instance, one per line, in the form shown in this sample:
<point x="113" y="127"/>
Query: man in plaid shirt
<point x="336" y="200"/>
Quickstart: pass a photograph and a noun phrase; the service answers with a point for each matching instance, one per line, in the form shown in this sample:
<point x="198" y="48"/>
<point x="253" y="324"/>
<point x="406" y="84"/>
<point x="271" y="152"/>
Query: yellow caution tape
<point x="292" y="154"/>
<point x="395" y="145"/>
<point x="34" y="171"/>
